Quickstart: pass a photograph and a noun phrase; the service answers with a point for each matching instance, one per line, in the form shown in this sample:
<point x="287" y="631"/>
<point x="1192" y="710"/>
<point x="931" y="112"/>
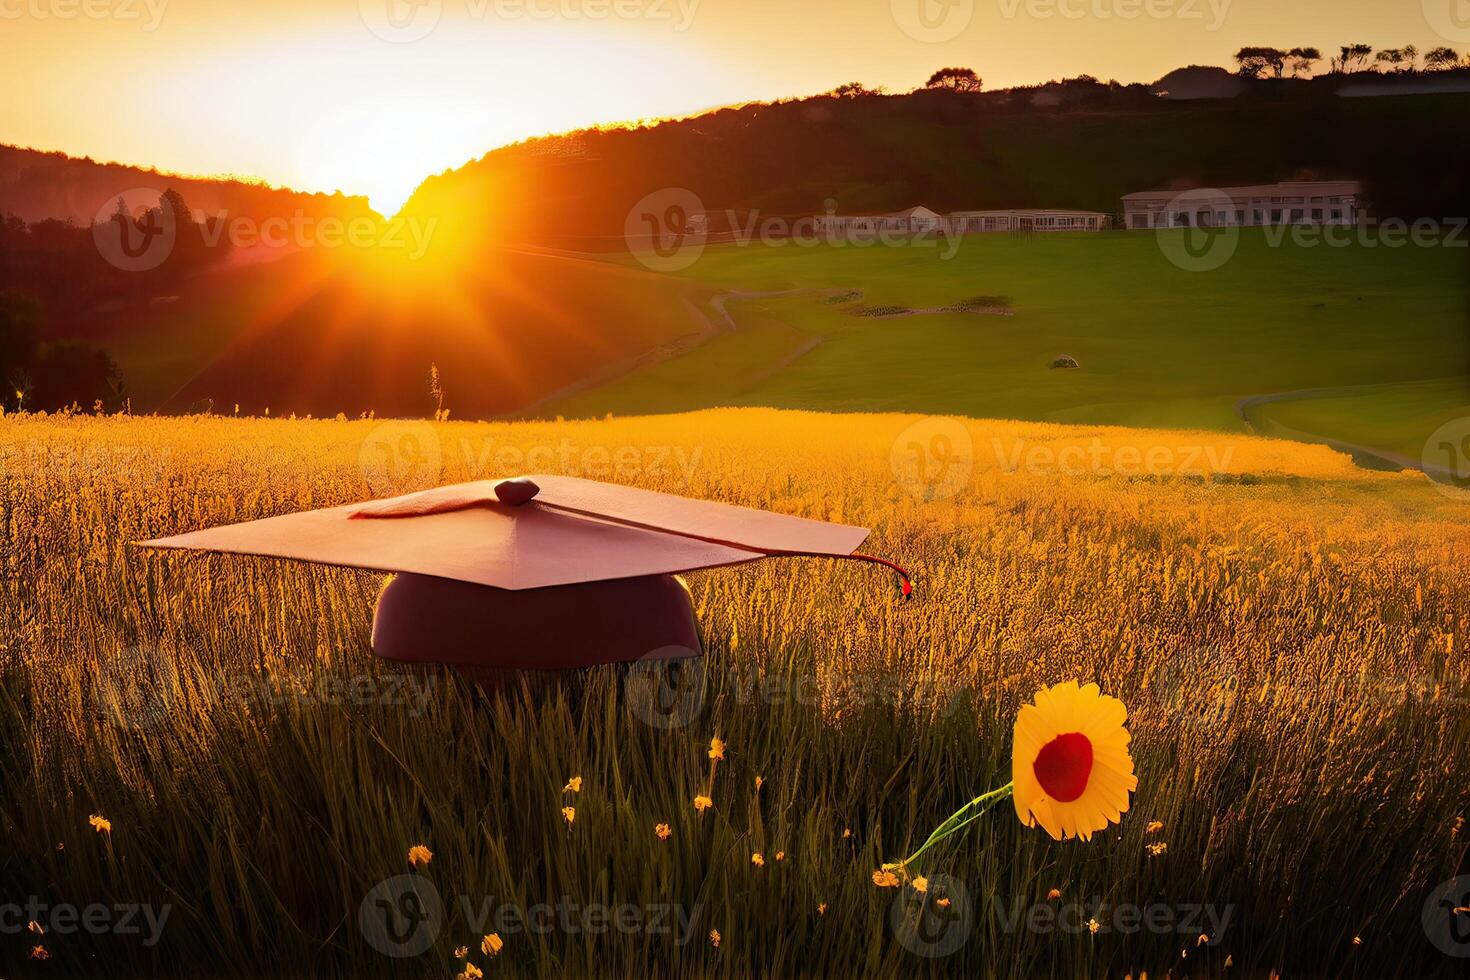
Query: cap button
<point x="517" y="492"/>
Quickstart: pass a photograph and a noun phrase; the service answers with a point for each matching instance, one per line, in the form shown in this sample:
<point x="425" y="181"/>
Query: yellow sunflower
<point x="1070" y="761"/>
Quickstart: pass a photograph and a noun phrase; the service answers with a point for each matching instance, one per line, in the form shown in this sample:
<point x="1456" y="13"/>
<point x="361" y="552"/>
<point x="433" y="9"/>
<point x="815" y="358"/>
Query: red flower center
<point x="1063" y="765"/>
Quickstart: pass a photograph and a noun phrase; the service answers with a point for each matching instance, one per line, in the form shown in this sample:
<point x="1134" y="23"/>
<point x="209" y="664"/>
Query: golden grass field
<point x="1288" y="632"/>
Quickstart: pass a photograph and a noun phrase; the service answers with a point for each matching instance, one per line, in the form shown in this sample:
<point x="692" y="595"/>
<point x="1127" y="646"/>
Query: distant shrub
<point x="1065" y="361"/>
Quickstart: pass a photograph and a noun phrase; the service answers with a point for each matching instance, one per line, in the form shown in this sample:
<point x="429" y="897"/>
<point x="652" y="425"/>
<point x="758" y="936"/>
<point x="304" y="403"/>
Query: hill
<point x="1200" y="82"/>
<point x="954" y="151"/>
<point x="36" y="186"/>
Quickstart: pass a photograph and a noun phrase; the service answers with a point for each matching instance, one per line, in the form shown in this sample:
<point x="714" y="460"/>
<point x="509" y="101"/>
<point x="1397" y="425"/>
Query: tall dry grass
<point x="1288" y="633"/>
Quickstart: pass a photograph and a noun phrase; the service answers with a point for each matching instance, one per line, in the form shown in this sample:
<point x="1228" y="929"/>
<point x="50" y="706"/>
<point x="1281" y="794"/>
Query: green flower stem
<point x="959" y="820"/>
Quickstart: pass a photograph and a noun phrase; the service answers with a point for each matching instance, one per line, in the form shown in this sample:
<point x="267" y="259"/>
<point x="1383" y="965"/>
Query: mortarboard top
<point x="532" y="533"/>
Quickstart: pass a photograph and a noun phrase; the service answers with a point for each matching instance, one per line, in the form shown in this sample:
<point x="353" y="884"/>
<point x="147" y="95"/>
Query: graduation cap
<point x="539" y="572"/>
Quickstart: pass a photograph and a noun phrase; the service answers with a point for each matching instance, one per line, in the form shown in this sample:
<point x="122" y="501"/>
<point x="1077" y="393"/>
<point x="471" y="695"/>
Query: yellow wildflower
<point x="569" y="813"/>
<point x="717" y="748"/>
<point x="780" y="855"/>
<point x="758" y="860"/>
<point x="942" y="902"/>
<point x="492" y="944"/>
<point x="36" y="927"/>
<point x="1154" y="826"/>
<point x="885" y="879"/>
<point x="39" y="953"/>
<point x="419" y="854"/>
<point x="821" y="908"/>
<point x="1093" y="926"/>
<point x="714" y="938"/>
<point x="574" y="785"/>
<point x="471" y="972"/>
<point x="662" y="830"/>
<point x="921" y="884"/>
<point x="460" y="952"/>
<point x="1054" y="894"/>
<point x="100" y="824"/>
<point x="703" y="803"/>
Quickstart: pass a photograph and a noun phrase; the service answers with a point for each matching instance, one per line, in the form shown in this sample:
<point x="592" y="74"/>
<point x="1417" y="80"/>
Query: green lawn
<point x="1394" y="417"/>
<point x="1157" y="345"/>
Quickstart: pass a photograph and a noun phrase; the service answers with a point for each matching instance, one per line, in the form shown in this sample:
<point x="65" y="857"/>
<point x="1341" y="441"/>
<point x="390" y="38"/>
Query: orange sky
<point x="310" y="93"/>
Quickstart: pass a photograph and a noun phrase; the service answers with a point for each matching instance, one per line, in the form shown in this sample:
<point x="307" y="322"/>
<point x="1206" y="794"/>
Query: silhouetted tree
<point x="958" y="79"/>
<point x="852" y="90"/>
<point x="1254" y="62"/>
<point x="1351" y="57"/>
<point x="1392" y="58"/>
<point x="1440" y="59"/>
<point x="1301" y="60"/>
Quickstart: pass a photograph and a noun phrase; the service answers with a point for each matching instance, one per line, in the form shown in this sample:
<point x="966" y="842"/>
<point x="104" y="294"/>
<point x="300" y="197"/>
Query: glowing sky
<point x="370" y="96"/>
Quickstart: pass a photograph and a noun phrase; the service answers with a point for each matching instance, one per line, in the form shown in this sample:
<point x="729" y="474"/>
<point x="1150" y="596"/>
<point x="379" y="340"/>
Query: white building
<point x="914" y="221"/>
<point x="1026" y="219"/>
<point x="1317" y="202"/>
<point x="922" y="220"/>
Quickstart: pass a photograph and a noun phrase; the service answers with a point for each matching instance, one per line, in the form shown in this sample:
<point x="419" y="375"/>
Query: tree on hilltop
<point x="955" y="79"/>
